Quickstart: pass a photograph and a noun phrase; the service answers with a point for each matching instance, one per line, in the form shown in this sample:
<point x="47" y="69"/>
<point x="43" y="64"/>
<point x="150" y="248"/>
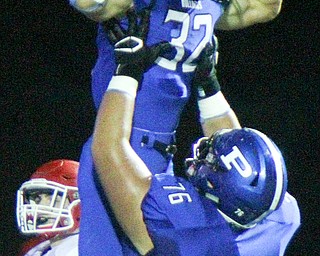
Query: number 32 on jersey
<point x="187" y="24"/>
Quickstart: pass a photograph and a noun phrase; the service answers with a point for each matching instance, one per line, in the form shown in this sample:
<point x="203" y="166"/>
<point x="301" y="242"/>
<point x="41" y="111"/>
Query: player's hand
<point x="132" y="54"/>
<point x="205" y="78"/>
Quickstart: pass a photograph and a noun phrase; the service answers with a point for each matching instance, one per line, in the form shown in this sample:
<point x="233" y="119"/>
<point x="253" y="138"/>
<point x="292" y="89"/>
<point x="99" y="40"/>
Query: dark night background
<point x="268" y="73"/>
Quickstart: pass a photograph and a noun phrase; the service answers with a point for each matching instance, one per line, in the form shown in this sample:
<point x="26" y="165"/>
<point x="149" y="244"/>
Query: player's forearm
<point x="215" y="113"/>
<point x="102" y="10"/>
<point x="226" y="121"/>
<point x="123" y="175"/>
<point x="244" y="13"/>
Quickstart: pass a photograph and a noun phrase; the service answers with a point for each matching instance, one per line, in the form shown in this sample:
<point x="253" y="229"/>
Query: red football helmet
<point x="30" y="245"/>
<point x="48" y="204"/>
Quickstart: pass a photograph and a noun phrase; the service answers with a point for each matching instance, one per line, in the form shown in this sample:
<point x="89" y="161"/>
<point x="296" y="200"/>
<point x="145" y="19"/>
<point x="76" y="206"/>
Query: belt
<point x="166" y="150"/>
<point x="161" y="142"/>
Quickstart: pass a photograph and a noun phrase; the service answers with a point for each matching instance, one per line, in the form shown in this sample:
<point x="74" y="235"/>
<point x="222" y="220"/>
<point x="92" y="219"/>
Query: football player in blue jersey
<point x="188" y="26"/>
<point x="233" y="203"/>
<point x="96" y="205"/>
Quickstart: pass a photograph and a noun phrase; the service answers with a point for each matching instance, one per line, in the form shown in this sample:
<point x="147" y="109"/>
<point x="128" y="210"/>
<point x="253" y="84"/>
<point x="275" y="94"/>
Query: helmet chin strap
<point x="236" y="224"/>
<point x="212" y="198"/>
<point x="227" y="218"/>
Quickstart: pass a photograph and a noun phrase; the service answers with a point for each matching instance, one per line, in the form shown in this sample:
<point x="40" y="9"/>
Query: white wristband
<point x="213" y="106"/>
<point x="125" y="84"/>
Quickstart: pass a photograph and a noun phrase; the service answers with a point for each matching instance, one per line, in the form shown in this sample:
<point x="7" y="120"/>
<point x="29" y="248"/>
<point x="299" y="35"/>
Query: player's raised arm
<point x="215" y="111"/>
<point x="244" y="13"/>
<point x="102" y="10"/>
<point x="123" y="175"/>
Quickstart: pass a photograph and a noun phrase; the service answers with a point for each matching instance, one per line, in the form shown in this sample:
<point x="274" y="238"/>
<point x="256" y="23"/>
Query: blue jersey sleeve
<point x="182" y="222"/>
<point x="273" y="234"/>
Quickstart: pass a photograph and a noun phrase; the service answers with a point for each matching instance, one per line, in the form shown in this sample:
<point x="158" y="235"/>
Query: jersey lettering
<point x="180" y="187"/>
<point x="235" y="157"/>
<point x="179" y="197"/>
<point x="191" y="4"/>
<point x="198" y="21"/>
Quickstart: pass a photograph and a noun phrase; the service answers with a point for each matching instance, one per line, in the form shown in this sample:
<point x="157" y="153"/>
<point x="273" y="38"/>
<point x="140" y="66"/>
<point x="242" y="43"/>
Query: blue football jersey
<point x="271" y="236"/>
<point x="180" y="221"/>
<point x="188" y="26"/>
<point x="97" y="234"/>
<point x="166" y="87"/>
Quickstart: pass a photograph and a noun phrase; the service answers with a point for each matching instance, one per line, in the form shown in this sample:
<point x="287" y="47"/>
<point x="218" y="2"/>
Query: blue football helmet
<point x="242" y="171"/>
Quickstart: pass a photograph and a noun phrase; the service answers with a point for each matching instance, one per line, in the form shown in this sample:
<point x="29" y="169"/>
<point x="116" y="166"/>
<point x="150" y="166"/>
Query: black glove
<point x="132" y="55"/>
<point x="205" y="78"/>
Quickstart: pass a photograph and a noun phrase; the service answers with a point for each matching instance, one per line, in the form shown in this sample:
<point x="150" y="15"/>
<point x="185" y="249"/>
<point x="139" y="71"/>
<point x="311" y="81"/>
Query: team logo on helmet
<point x="243" y="171"/>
